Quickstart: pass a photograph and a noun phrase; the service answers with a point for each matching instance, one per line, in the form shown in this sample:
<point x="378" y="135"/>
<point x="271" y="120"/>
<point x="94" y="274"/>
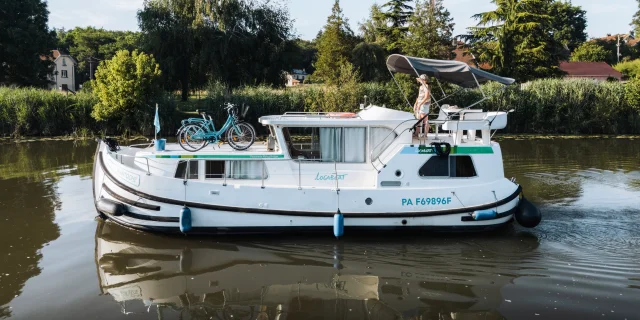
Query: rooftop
<point x="589" y="70"/>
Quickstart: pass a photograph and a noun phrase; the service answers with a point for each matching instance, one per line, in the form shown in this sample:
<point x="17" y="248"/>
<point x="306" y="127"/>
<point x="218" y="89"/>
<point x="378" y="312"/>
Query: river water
<point x="582" y="261"/>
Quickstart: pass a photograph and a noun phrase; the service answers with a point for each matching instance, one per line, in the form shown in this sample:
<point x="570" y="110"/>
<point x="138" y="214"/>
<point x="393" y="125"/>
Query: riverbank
<point x="548" y="106"/>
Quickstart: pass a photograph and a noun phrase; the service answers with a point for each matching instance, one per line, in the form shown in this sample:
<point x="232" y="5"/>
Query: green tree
<point x="125" y="86"/>
<point x="590" y="51"/>
<point x="233" y="41"/>
<point x="372" y="29"/>
<point x="91" y="45"/>
<point x="334" y="46"/>
<point x="397" y="14"/>
<point x="517" y="40"/>
<point x="569" y="24"/>
<point x="369" y="59"/>
<point x="430" y="31"/>
<point x="635" y="23"/>
<point x="304" y="55"/>
<point x="169" y="33"/>
<point x="24" y="39"/>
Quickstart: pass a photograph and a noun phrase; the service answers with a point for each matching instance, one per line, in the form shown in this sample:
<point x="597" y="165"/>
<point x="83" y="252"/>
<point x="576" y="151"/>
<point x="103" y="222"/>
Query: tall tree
<point x="516" y="39"/>
<point x="369" y="60"/>
<point x="24" y="39"/>
<point x="304" y="55"/>
<point x="569" y="24"/>
<point x="372" y="29"/>
<point x="91" y="45"/>
<point x="635" y="23"/>
<point x="237" y="42"/>
<point x="397" y="14"/>
<point x="430" y="31"/>
<point x="168" y="32"/>
<point x="334" y="46"/>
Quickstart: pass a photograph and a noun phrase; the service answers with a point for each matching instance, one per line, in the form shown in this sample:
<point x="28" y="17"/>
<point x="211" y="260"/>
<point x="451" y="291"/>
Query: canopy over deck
<point x="455" y="72"/>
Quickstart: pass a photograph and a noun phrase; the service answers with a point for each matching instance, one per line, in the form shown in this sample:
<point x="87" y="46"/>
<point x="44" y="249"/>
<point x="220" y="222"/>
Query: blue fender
<point x="185" y="219"/>
<point x="338" y="224"/>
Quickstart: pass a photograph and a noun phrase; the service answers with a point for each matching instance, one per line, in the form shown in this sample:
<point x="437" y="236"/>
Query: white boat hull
<point x="154" y="203"/>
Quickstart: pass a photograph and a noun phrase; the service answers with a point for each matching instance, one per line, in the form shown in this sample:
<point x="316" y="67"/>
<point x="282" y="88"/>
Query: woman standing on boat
<point x="421" y="107"/>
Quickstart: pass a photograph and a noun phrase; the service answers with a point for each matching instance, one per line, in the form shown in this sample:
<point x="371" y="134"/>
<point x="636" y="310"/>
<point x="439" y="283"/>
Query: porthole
<point x="399" y="173"/>
<point x="404" y="222"/>
<point x="368" y="201"/>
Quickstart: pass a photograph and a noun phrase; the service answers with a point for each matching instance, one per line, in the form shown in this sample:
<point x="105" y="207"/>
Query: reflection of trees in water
<point x="28" y="214"/>
<point x="29" y="173"/>
<point x="46" y="159"/>
<point x="554" y="169"/>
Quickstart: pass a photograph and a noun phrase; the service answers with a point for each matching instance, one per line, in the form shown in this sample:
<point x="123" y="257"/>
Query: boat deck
<point x="173" y="150"/>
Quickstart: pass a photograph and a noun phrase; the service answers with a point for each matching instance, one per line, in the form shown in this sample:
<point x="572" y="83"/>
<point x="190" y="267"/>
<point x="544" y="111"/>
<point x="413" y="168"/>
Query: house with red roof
<point x="589" y="70"/>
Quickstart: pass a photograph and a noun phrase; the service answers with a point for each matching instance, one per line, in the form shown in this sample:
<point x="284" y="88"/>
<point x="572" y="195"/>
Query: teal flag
<point x="156" y="120"/>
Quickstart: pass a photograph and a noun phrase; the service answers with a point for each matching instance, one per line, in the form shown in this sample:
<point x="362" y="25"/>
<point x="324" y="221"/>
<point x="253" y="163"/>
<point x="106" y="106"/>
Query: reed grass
<point x="547" y="106"/>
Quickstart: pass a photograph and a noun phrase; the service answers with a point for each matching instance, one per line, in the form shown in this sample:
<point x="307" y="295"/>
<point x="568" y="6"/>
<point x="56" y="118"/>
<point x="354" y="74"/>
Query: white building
<point x="296" y="77"/>
<point x="64" y="72"/>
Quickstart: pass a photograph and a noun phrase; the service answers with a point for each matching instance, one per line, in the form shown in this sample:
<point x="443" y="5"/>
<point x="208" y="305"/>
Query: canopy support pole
<point x="451" y="95"/>
<point x="478" y="83"/>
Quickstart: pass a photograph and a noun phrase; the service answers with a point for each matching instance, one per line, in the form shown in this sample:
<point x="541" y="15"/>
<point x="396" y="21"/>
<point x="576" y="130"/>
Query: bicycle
<point x="198" y="133"/>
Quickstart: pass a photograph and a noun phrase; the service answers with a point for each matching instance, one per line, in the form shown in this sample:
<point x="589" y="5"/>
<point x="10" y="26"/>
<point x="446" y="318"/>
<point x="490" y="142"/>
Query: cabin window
<point x="326" y="144"/>
<point x="238" y="169"/>
<point x="214" y="169"/>
<point x="63" y="74"/>
<point x="451" y="166"/>
<point x="181" y="169"/>
<point x="246" y="170"/>
<point x="462" y="167"/>
<point x="380" y="139"/>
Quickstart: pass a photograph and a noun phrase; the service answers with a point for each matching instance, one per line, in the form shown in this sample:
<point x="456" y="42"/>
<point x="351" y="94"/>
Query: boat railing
<point x="120" y="157"/>
<point x="263" y="172"/>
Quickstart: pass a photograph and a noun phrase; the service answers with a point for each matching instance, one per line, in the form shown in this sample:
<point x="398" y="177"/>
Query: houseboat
<point x="326" y="172"/>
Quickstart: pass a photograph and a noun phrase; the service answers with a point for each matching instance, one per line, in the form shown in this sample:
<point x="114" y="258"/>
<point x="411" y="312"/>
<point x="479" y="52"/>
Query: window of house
<point x="326" y="144"/>
<point x="380" y="139"/>
<point x="181" y="169"/>
<point x="451" y="166"/>
<point x="64" y="74"/>
<point x="64" y="62"/>
<point x="237" y="169"/>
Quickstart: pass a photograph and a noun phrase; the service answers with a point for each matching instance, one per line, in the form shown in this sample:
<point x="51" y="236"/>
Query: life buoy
<point x="440" y="151"/>
<point x="341" y="114"/>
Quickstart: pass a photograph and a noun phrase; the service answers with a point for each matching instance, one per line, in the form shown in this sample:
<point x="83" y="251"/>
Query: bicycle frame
<point x="208" y="130"/>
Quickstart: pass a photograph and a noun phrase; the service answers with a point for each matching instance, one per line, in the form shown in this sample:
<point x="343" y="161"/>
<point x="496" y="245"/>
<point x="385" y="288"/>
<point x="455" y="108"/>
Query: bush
<point x="630" y="69"/>
<point x="126" y="86"/>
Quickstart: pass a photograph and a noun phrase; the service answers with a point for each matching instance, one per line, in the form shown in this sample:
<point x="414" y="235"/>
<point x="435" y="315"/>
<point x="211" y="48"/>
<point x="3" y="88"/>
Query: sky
<point x="603" y="16"/>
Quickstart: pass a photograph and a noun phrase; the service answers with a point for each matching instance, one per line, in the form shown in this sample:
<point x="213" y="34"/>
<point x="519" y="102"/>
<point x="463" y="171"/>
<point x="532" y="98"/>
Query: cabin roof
<point x="372" y="115"/>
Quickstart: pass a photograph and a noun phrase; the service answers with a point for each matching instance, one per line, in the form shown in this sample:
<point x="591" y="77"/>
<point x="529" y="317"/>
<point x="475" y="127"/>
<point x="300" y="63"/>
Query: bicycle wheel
<point x="187" y="141"/>
<point x="241" y="136"/>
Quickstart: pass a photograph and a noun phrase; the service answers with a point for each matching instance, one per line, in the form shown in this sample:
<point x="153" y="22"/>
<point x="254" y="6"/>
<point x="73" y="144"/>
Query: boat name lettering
<point x="426" y="201"/>
<point x="129" y="177"/>
<point x="320" y="177"/>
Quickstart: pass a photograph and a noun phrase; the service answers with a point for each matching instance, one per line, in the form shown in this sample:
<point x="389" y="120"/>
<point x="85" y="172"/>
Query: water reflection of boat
<point x="276" y="281"/>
